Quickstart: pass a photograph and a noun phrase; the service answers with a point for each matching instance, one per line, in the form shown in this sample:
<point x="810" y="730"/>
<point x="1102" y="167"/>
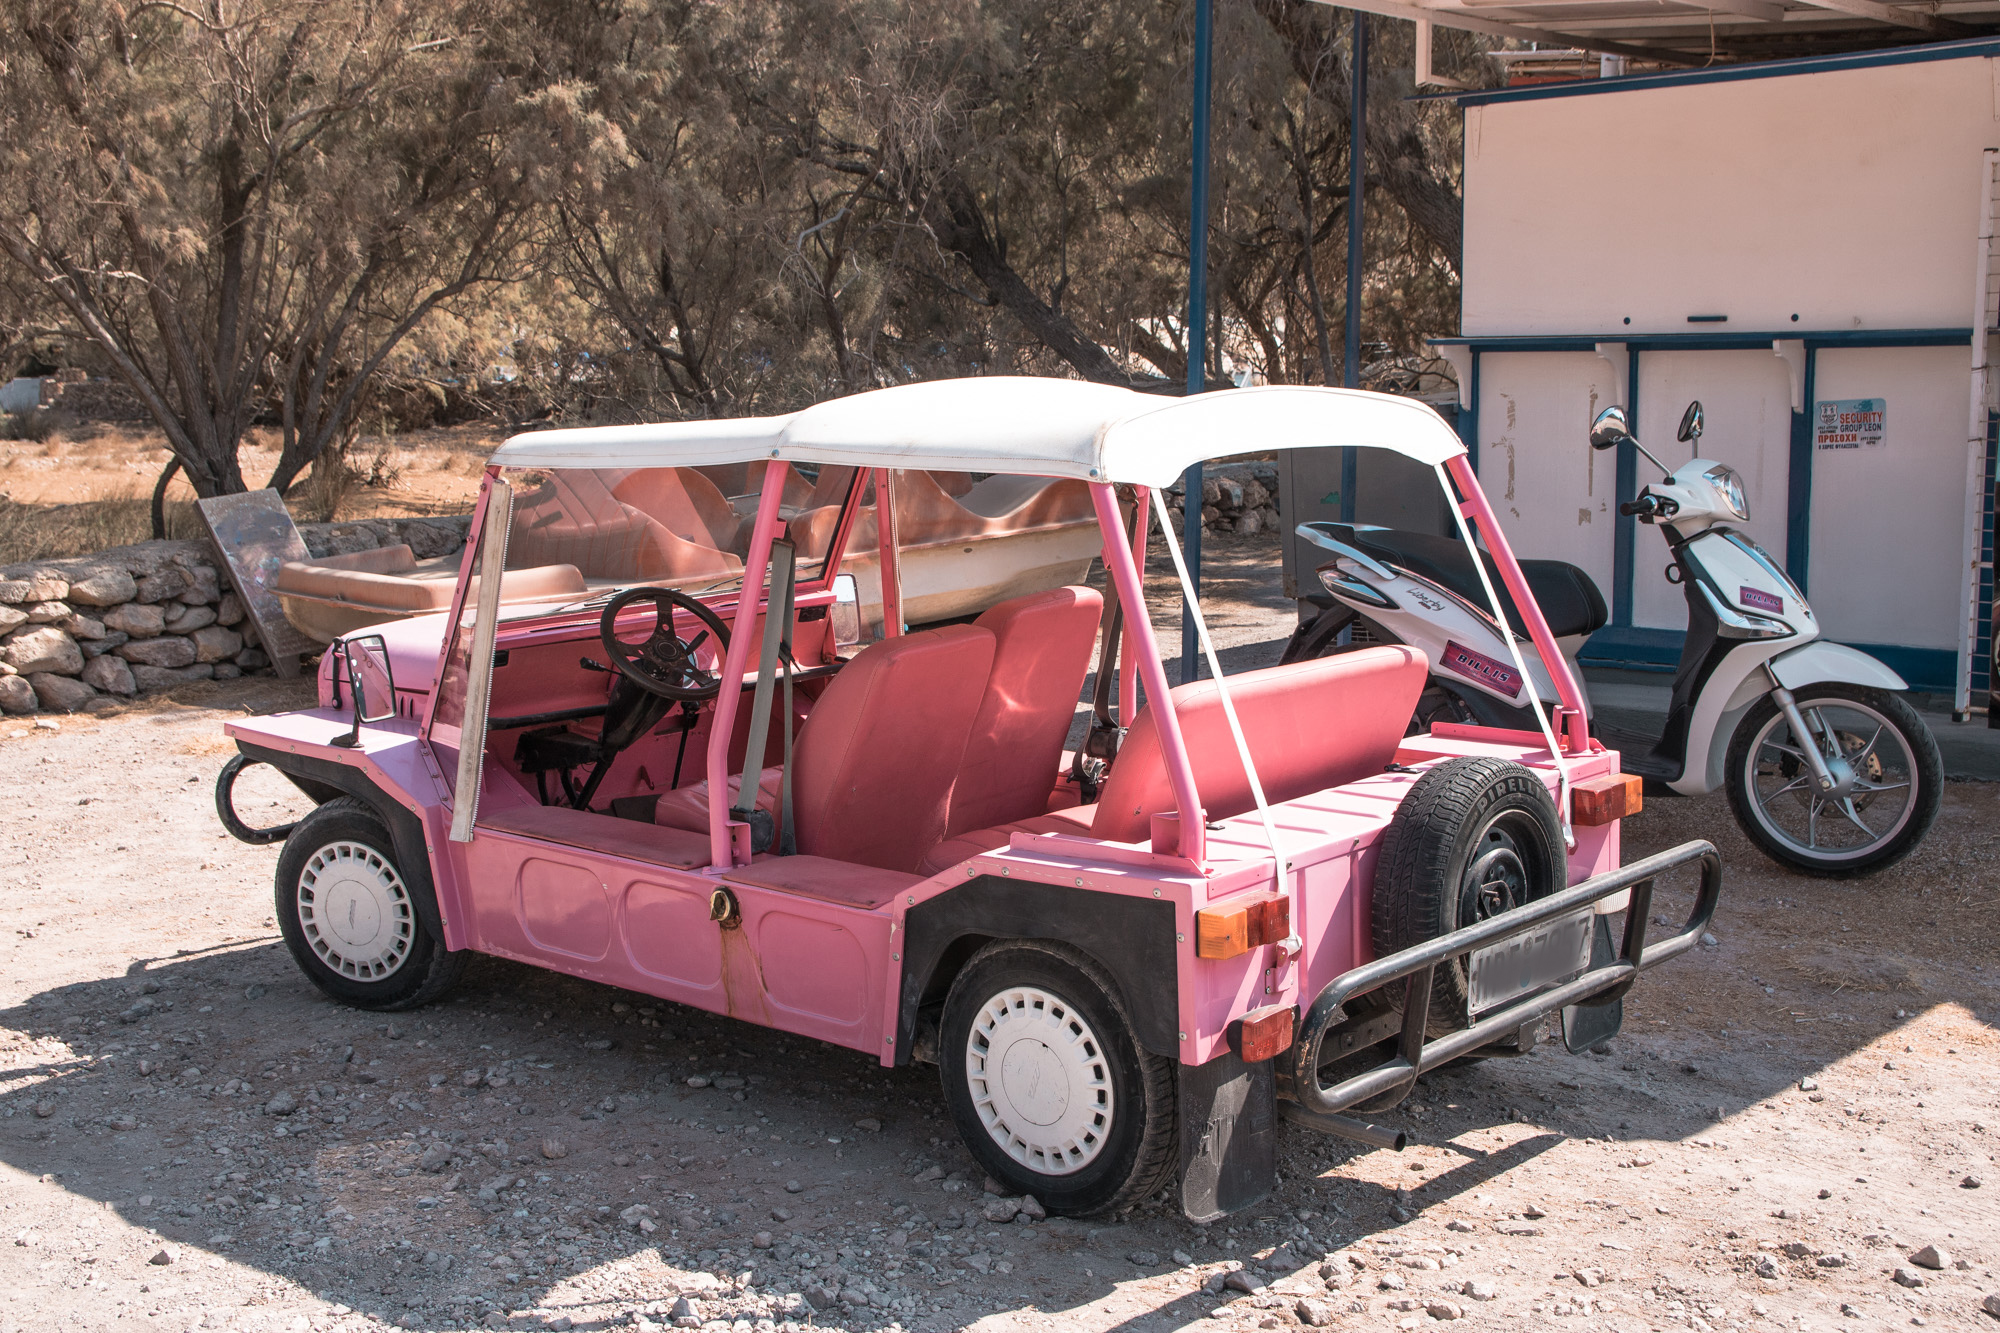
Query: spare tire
<point x="1473" y="838"/>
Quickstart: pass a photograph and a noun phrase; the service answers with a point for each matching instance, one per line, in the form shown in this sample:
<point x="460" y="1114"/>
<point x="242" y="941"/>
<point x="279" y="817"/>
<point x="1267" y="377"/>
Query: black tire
<point x="1320" y="638"/>
<point x="1474" y="837"/>
<point x="1759" y="809"/>
<point x="1129" y="1147"/>
<point x="387" y="958"/>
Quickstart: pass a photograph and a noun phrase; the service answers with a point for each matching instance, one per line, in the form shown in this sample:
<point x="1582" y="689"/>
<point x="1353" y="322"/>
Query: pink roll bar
<point x="756" y="562"/>
<point x="1125" y="575"/>
<point x="1572" y="729"/>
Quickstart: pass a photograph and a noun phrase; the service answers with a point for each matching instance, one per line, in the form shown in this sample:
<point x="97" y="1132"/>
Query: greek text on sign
<point x="1463" y="661"/>
<point x="1849" y="423"/>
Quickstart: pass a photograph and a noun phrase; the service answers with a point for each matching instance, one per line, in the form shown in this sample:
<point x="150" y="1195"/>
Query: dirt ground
<point x="191" y="1137"/>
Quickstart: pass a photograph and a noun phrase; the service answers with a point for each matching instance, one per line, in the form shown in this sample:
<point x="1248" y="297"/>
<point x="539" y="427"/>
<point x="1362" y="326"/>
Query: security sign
<point x="1850" y="423"/>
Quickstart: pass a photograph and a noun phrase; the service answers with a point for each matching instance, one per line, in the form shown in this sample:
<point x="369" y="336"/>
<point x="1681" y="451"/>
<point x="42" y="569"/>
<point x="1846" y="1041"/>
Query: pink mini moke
<point x="1239" y="900"/>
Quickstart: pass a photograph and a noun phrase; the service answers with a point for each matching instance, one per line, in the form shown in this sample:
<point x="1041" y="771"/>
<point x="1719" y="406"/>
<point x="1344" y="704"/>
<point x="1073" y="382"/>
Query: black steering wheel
<point x="664" y="664"/>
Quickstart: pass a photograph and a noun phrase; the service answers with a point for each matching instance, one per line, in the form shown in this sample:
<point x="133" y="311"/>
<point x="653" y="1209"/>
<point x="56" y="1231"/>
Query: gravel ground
<point x="191" y="1137"/>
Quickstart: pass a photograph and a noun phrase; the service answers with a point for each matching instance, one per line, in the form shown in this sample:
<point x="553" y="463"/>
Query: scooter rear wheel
<point x="1888" y="774"/>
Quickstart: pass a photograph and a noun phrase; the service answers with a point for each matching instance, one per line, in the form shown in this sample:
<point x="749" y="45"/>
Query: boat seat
<point x="1042" y="650"/>
<point x="874" y="761"/>
<point x="928" y="513"/>
<point x="688" y="505"/>
<point x="1309" y="726"/>
<point x="573" y="518"/>
<point x="385" y="579"/>
<point x="1569" y="600"/>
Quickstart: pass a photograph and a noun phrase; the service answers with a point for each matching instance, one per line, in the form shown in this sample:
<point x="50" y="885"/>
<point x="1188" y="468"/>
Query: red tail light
<point x="1263" y="1033"/>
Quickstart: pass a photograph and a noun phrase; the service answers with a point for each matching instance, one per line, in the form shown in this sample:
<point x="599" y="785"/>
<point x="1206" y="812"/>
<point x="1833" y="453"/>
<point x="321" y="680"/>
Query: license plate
<point x="1553" y="952"/>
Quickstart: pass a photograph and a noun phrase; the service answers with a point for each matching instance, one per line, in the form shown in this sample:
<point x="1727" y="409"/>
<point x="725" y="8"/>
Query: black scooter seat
<point x="1569" y="600"/>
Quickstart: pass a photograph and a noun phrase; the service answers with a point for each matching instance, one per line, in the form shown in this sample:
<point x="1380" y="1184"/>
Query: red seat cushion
<point x="687" y="807"/>
<point x="873" y="764"/>
<point x="976" y="842"/>
<point x="1043" y="643"/>
<point x="1309" y="725"/>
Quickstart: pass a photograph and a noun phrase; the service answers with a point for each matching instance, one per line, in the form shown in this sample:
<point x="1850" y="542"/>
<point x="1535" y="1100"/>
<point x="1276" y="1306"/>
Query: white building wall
<point x="1847" y="198"/>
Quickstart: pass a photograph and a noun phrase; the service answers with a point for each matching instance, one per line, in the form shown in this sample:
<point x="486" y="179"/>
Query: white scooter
<point x="1828" y="770"/>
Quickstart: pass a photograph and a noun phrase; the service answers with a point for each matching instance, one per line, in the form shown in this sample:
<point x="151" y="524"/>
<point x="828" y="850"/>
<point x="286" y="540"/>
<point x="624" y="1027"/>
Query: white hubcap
<point x="1040" y="1080"/>
<point x="355" y="912"/>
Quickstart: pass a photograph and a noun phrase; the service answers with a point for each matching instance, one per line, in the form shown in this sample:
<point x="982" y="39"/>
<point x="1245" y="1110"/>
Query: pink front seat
<point x="1043" y="649"/>
<point x="1309" y="725"/>
<point x="873" y="764"/>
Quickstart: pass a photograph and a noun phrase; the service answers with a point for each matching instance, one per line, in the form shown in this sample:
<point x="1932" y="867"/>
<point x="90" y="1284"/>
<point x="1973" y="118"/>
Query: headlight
<point x="1730" y="486"/>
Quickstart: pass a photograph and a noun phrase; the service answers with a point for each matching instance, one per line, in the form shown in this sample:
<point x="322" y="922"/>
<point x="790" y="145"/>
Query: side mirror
<point x="1691" y="422"/>
<point x="363" y="667"/>
<point x="846" y="611"/>
<point x="1610" y="429"/>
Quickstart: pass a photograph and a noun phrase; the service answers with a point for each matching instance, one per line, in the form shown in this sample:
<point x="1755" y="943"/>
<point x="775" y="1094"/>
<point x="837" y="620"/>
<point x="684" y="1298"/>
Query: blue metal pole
<point x="1197" y="320"/>
<point x="1357" y="179"/>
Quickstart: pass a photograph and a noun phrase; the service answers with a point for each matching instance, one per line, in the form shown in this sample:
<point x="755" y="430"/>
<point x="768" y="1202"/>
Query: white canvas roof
<point x="1041" y="427"/>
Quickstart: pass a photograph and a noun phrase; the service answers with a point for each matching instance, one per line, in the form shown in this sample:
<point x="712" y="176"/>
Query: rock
<point x="1808" y="1085"/>
<point x="1767" y="1267"/>
<point x="1249" y="523"/>
<point x="1908" y="1277"/>
<point x="162" y="1256"/>
<point x="17" y="697"/>
<point x="151" y="680"/>
<point x="1931" y="1257"/>
<point x="1832" y="1261"/>
<point x="253" y="659"/>
<point x="1589" y="1277"/>
<point x="639" y="1213"/>
<point x="436" y="1158"/>
<point x="993" y="1186"/>
<point x="1480" y="1291"/>
<point x="98" y="647"/>
<point x="282" y="1104"/>
<point x="1315" y="1314"/>
<point x="206" y="587"/>
<point x="43" y="648"/>
<point x="762" y="1240"/>
<point x="230" y="610"/>
<point x="140" y="622"/>
<point x="1031" y="1208"/>
<point x="190" y="619"/>
<point x="1969" y="1183"/>
<point x="682" y="1308"/>
<point x="60" y="694"/>
<point x="554" y="1149"/>
<point x="1392" y="1282"/>
<point x="869" y="1124"/>
<point x="107" y="587"/>
<point x="1445" y="1310"/>
<point x="171" y="581"/>
<point x="44" y="1109"/>
<point x="817" y="1294"/>
<point x="167" y="651"/>
<point x="39" y="587"/>
<point x="793" y="1187"/>
<point x="1143" y="1258"/>
<point x="1991" y="1304"/>
<point x="46" y="613"/>
<point x="226" y="671"/>
<point x="1244" y="1281"/>
<point x="1001" y="1210"/>
<point x="698" y="1080"/>
<point x="81" y="626"/>
<point x="11" y="618"/>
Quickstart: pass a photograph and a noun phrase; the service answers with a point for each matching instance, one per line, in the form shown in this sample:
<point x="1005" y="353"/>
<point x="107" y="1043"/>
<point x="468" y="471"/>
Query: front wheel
<point x="349" y="913"/>
<point x="1049" y="1086"/>
<point x="1887" y="775"/>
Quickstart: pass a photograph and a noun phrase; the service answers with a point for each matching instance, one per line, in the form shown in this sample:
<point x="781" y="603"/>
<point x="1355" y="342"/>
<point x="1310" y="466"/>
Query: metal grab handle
<point x="1599" y="985"/>
<point x="225" y="808"/>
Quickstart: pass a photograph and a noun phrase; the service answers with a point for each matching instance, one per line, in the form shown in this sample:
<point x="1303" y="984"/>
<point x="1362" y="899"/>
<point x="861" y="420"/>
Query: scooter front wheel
<point x="1887" y="780"/>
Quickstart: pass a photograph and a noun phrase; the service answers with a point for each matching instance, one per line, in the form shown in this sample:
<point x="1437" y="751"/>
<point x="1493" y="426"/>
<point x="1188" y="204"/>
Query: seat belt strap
<point x="777" y="616"/>
<point x="788" y="842"/>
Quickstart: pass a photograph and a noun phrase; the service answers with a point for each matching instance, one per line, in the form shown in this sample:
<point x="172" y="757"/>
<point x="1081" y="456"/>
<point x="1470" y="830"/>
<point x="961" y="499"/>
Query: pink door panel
<point x="563" y="908"/>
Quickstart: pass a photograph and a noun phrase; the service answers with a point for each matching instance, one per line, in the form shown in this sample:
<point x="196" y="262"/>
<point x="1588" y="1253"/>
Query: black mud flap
<point x="1588" y="1025"/>
<point x="1229" y="1136"/>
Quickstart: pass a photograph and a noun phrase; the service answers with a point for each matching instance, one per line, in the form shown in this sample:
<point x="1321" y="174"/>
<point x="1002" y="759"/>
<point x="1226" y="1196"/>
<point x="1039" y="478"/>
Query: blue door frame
<point x="1622" y="644"/>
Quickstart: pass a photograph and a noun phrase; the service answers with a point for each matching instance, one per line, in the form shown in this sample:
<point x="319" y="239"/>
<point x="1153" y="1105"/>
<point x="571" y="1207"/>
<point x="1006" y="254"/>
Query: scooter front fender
<point x="1811" y="663"/>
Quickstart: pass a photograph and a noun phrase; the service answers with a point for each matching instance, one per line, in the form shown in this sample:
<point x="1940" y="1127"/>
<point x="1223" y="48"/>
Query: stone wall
<point x="81" y="634"/>
<point x="1235" y="497"/>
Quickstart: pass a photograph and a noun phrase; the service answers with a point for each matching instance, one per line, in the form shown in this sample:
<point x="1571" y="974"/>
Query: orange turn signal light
<point x="1263" y="1033"/>
<point x="1604" y="799"/>
<point x="1242" y="924"/>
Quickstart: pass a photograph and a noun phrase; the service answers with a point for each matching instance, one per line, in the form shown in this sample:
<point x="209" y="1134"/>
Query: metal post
<point x="1357" y="177"/>
<point x="1197" y="323"/>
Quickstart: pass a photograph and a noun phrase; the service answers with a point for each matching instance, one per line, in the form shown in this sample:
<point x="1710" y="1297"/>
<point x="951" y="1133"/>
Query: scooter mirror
<point x="1691" y="422"/>
<point x="1610" y="429"/>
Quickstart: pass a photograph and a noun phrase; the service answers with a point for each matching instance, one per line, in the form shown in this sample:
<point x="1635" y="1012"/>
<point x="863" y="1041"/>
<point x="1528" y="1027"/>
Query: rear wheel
<point x="1473" y="838"/>
<point x="1048" y="1084"/>
<point x="1887" y="780"/>
<point x="349" y="913"/>
<point x="1321" y="638"/>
